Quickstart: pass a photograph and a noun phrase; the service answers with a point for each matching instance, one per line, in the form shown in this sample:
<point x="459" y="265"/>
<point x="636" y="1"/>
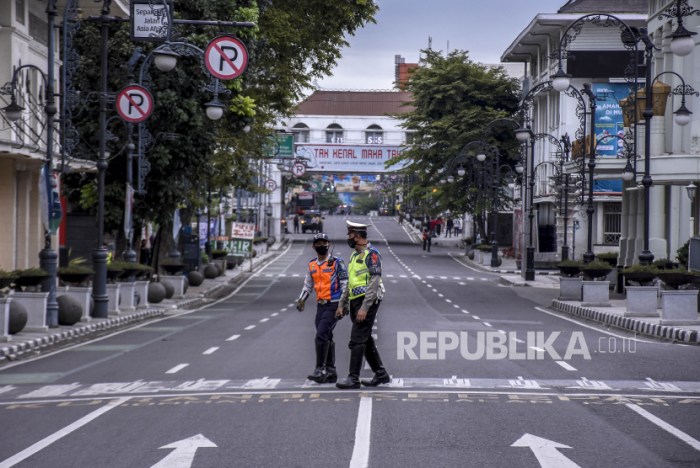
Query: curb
<point x="13" y="352"/>
<point x="642" y="327"/>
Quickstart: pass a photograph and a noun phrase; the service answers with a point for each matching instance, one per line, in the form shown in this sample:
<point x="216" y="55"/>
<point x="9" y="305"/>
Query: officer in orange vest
<point x="327" y="276"/>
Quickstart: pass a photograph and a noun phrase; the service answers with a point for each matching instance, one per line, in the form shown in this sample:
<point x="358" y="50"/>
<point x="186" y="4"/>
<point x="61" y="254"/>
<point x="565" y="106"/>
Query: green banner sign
<point x="281" y="146"/>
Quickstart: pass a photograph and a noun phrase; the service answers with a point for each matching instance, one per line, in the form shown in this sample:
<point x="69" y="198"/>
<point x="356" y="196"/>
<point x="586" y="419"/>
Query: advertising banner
<point x="349" y="158"/>
<point x="608" y="119"/>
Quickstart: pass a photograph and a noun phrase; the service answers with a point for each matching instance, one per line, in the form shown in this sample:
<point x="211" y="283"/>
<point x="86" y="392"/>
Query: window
<point x="374" y="135"/>
<point x="612" y="223"/>
<point x="19" y="11"/>
<point x="334" y="134"/>
<point x="301" y="133"/>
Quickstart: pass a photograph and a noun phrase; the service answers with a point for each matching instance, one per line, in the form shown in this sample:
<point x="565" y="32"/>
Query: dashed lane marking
<point x="211" y="350"/>
<point x="176" y="369"/>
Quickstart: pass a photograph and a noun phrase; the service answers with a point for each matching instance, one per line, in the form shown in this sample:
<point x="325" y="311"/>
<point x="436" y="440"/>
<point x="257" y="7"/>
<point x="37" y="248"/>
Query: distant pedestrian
<point x="427" y="238"/>
<point x="145" y="253"/>
<point x="438" y="226"/>
<point x="296" y="224"/>
<point x="457" y="226"/>
<point x="448" y="227"/>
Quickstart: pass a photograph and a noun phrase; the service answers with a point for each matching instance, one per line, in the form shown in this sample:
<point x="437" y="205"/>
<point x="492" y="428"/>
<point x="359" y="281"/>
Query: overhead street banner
<point x="350" y="158"/>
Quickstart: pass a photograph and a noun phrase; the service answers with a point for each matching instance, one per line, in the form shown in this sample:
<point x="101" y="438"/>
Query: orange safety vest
<point x="326" y="280"/>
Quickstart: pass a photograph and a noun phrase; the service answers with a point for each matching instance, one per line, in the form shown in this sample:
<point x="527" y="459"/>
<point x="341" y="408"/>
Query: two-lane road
<point x="482" y="375"/>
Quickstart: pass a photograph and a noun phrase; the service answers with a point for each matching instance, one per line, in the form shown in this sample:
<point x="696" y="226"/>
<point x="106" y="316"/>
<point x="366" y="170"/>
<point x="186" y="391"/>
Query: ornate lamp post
<point x="48" y="258"/>
<point x="681" y="44"/>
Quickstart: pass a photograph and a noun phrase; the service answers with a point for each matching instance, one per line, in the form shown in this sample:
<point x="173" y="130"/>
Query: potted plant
<point x="609" y="258"/>
<point x="596" y="269"/>
<point x="219" y="254"/>
<point x="641" y="274"/>
<point x="75" y="273"/>
<point x="675" y="278"/>
<point x="664" y="264"/>
<point x="7" y="278"/>
<point x="172" y="266"/>
<point x="114" y="271"/>
<point x="31" y="277"/>
<point x="570" y="268"/>
<point x="127" y="269"/>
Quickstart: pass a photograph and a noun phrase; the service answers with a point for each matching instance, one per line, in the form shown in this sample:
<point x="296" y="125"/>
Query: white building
<point x="601" y="59"/>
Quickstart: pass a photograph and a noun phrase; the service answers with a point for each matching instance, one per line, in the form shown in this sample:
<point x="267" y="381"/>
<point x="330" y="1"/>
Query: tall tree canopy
<point x="454" y="100"/>
<point x="293" y="43"/>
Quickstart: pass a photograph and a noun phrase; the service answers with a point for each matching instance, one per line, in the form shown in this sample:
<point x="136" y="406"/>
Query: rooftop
<point x="359" y="103"/>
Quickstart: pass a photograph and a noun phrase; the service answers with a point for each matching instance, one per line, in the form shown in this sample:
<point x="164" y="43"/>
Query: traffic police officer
<point x="327" y="276"/>
<point x="364" y="293"/>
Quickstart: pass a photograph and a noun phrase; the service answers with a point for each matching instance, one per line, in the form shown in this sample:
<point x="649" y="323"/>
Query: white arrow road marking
<point x="665" y="426"/>
<point x="360" y="453"/>
<point x="42" y="444"/>
<point x="545" y="451"/>
<point x="183" y="455"/>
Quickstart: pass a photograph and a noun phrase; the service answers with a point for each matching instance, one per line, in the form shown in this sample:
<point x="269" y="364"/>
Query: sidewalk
<point x="613" y="315"/>
<point x="23" y="344"/>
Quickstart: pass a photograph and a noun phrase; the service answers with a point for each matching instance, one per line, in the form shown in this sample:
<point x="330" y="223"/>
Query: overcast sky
<point x="485" y="28"/>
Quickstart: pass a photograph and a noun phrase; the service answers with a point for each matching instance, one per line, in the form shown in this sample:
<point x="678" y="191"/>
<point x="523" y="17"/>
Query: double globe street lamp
<point x="682" y="44"/>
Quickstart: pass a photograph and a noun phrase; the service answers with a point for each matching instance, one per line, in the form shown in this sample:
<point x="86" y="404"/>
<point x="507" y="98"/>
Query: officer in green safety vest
<point x="364" y="293"/>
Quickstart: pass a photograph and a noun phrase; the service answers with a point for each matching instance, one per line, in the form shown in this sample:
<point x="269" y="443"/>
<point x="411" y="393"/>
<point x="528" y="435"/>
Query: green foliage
<point x="597" y="265"/>
<point x="639" y="269"/>
<point x="570" y="264"/>
<point x="8" y="274"/>
<point x="363" y="204"/>
<point x="607" y="256"/>
<point x="454" y="100"/>
<point x="76" y="269"/>
<point x="682" y="254"/>
<point x="294" y="42"/>
<point x="32" y="272"/>
<point x="328" y="201"/>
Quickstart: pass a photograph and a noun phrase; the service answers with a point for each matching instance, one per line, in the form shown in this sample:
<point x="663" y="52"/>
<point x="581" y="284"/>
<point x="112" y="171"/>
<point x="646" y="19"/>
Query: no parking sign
<point x="134" y="104"/>
<point x="226" y="57"/>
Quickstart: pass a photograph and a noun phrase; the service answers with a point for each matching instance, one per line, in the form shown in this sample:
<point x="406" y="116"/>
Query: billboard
<point x="349" y="158"/>
<point x="609" y="124"/>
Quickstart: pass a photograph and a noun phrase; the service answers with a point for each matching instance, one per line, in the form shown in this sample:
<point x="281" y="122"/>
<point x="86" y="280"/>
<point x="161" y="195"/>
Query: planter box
<point x="83" y="295"/>
<point x="126" y="292"/>
<point x="178" y="283"/>
<point x="570" y="289"/>
<point x="113" y="298"/>
<point x="642" y="301"/>
<point x="35" y="303"/>
<point x="141" y="288"/>
<point x="5" y="318"/>
<point x="596" y="293"/>
<point x="679" y="307"/>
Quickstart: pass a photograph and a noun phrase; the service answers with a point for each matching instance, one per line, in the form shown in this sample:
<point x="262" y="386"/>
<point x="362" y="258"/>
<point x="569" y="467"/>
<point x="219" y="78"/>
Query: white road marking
<point x="566" y="365"/>
<point x="464" y="311"/>
<point x="462" y="284"/>
<point x="249" y="327"/>
<point x="598" y="329"/>
<point x="232" y="338"/>
<point x="274" y="314"/>
<point x="476" y="318"/>
<point x="45" y="442"/>
<point x="456" y="306"/>
<point x="263" y="320"/>
<point x="211" y="350"/>
<point x="176" y="369"/>
<point x="665" y="426"/>
<point x="487" y="324"/>
<point x="440" y="295"/>
<point x="449" y="301"/>
<point x="360" y="453"/>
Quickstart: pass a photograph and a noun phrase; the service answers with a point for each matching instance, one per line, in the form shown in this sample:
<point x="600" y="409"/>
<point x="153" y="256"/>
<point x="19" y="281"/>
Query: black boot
<point x="331" y="376"/>
<point x="353" y="380"/>
<point x="381" y="376"/>
<point x="320" y="358"/>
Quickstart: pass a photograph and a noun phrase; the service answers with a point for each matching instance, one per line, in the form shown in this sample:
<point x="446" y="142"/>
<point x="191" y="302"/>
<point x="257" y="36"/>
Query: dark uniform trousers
<point x="361" y="334"/>
<point x="325" y="321"/>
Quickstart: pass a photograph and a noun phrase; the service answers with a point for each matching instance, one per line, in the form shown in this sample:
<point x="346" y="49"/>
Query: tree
<point x="454" y="98"/>
<point x="328" y="201"/>
<point x="363" y="204"/>
<point x="295" y="42"/>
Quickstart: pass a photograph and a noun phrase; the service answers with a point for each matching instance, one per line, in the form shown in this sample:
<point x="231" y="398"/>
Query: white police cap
<point x="356" y="226"/>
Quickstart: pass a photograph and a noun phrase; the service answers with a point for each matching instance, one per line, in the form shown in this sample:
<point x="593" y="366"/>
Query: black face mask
<point x="352" y="243"/>
<point x="321" y="249"/>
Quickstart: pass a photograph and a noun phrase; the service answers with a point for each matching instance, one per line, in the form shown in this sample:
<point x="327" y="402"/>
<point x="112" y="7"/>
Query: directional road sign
<point x="226" y="57"/>
<point x="134" y="104"/>
<point x="298" y="169"/>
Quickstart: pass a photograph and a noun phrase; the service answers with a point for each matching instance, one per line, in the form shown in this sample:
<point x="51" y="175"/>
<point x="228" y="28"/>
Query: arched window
<point x="301" y="133"/>
<point x="374" y="135"/>
<point x="334" y="134"/>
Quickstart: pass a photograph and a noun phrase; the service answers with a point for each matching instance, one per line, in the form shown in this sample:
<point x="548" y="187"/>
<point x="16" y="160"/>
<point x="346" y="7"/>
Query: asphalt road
<point x="482" y="375"/>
